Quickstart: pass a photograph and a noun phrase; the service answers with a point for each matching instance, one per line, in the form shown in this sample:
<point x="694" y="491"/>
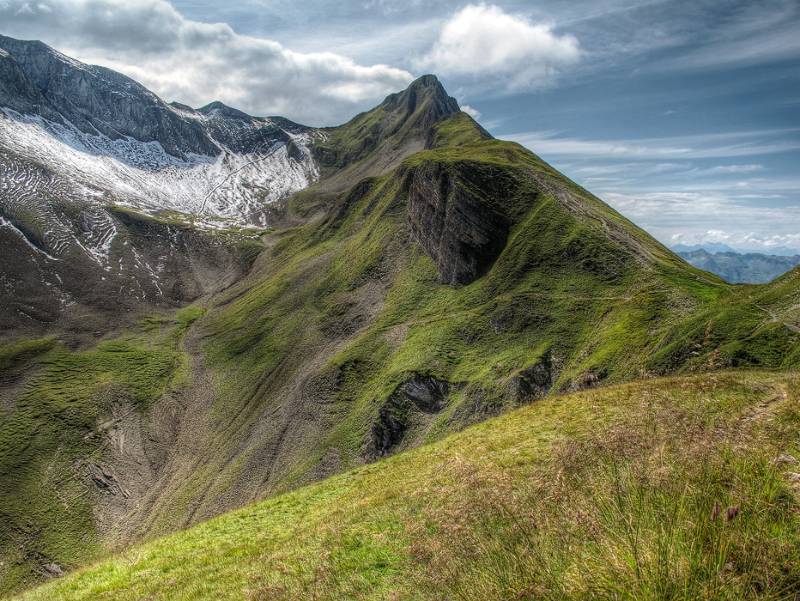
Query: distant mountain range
<point x="718" y="247"/>
<point x="712" y="247"/>
<point x="738" y="268"/>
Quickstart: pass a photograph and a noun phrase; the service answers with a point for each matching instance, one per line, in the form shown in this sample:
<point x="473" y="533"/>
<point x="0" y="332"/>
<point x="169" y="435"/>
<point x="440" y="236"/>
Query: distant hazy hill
<point x="718" y="247"/>
<point x="748" y="268"/>
<point x="712" y="247"/>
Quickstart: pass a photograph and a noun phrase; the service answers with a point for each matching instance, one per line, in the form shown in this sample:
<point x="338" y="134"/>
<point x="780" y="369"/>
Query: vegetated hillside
<point x="747" y="268"/>
<point x="676" y="488"/>
<point x="468" y="279"/>
<point x="63" y="412"/>
<point x="433" y="277"/>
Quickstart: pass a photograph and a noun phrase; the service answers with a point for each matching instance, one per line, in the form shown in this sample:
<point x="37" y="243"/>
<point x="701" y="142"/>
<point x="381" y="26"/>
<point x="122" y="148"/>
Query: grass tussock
<point x="664" y="508"/>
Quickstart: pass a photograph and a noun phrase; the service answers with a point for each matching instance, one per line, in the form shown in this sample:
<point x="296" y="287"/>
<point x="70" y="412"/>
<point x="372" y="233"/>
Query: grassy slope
<point x="52" y="430"/>
<point x="753" y="325"/>
<point x="661" y="489"/>
<point x="561" y="286"/>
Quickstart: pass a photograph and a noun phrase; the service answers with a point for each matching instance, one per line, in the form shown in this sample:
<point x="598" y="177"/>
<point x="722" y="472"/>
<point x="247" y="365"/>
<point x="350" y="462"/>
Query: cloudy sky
<point x="684" y="115"/>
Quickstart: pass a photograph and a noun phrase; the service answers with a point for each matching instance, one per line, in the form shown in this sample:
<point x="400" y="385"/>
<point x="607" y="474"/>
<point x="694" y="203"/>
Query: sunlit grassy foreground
<point x="677" y="488"/>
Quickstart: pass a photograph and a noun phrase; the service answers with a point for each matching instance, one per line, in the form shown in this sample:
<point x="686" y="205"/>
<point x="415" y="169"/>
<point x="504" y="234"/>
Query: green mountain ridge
<point x="434" y="277"/>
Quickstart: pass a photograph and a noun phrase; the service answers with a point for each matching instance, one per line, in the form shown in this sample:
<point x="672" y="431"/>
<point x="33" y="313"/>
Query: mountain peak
<point x="18" y="92"/>
<point x="37" y="59"/>
<point x="402" y="124"/>
<point x="429" y="81"/>
<point x="425" y="93"/>
<point x="219" y="108"/>
<point x="32" y="44"/>
<point x="93" y="99"/>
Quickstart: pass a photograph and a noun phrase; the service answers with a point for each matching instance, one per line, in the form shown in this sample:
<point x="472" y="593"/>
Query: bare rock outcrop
<point x="459" y="214"/>
<point x="419" y="395"/>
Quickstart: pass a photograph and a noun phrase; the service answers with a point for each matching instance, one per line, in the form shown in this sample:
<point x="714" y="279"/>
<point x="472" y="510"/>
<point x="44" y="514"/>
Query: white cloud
<point x="709" y="216"/>
<point x="484" y="41"/>
<point x="742" y="240"/>
<point x="750" y="168"/>
<point x="196" y="63"/>
<point x="719" y="145"/>
<point x="593" y="170"/>
<point x="772" y="242"/>
<point x="472" y="112"/>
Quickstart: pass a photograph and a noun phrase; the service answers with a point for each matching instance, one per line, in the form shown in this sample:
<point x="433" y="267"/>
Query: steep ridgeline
<point x="80" y="144"/>
<point x="432" y="277"/>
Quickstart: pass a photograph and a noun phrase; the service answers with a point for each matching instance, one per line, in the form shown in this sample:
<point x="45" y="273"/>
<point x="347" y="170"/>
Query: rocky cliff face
<point x="18" y="92"/>
<point x="99" y="100"/>
<point x="406" y="407"/>
<point x="115" y="139"/>
<point x="459" y="215"/>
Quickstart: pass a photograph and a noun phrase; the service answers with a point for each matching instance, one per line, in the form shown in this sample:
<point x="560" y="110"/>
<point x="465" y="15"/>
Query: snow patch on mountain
<point x="233" y="186"/>
<point x="5" y="223"/>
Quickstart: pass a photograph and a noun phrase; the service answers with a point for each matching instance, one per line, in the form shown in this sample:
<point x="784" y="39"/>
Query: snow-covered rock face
<point x="115" y="142"/>
<point x="234" y="186"/>
<point x="80" y="143"/>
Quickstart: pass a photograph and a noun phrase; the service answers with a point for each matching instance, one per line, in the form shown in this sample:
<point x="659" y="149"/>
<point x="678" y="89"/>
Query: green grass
<point x="459" y="130"/>
<point x="18" y="354"/>
<point x="663" y="489"/>
<point x="53" y="432"/>
<point x="753" y="325"/>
